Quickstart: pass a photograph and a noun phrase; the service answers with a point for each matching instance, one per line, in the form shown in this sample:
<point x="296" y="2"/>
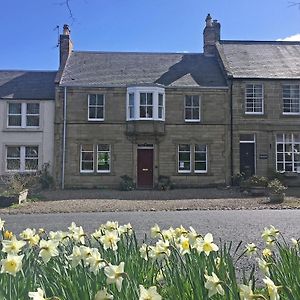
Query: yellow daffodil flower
<point x="251" y="249"/>
<point x="7" y="235"/>
<point x="110" y="240"/>
<point x="263" y="266"/>
<point x="267" y="252"/>
<point x="95" y="261"/>
<point x="149" y="294"/>
<point x="206" y="244"/>
<point x="2" y="222"/>
<point x="246" y="292"/>
<point x="155" y="231"/>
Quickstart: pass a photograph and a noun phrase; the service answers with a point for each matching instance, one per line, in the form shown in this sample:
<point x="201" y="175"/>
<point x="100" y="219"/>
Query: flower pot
<point x="6" y="201"/>
<point x="276" y="198"/>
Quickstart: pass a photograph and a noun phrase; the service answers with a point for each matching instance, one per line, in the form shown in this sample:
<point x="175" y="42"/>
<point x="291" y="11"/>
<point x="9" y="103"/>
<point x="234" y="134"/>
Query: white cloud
<point x="295" y="37"/>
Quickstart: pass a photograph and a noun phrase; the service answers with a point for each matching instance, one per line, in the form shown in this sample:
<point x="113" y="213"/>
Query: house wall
<point x="265" y="126"/>
<point x="42" y="136"/>
<point x="212" y="130"/>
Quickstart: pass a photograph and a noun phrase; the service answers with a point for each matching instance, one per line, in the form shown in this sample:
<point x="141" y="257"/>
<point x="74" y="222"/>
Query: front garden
<point x="177" y="263"/>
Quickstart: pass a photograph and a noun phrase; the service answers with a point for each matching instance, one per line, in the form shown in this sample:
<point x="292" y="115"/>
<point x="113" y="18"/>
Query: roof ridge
<point x="136" y="52"/>
<point x="258" y="42"/>
<point x="33" y="71"/>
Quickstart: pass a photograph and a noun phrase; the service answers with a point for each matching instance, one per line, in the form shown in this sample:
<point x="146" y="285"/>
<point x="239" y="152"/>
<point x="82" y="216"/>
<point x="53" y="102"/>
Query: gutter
<point x="231" y="130"/>
<point x="64" y="140"/>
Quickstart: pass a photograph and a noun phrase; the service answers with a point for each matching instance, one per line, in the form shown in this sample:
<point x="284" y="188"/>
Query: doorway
<point x="247" y="154"/>
<point x="145" y="167"/>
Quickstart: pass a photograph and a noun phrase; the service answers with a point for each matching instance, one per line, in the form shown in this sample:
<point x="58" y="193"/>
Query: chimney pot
<point x="211" y="35"/>
<point x="208" y="20"/>
<point x="66" y="30"/>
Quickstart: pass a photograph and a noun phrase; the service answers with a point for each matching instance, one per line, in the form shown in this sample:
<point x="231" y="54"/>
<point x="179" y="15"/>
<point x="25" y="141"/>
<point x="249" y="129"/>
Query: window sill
<point x="297" y="115"/>
<point x="193" y="174"/>
<point x="96" y="120"/>
<point x="20" y="129"/>
<point x="96" y="173"/>
<point x="192" y="121"/>
<point x="254" y="114"/>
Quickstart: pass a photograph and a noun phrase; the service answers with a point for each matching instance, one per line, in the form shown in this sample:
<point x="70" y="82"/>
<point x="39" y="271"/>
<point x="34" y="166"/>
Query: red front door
<point x="145" y="168"/>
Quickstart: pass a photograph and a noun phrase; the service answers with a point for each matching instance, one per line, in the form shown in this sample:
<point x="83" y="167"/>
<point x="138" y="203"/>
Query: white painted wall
<point x="42" y="136"/>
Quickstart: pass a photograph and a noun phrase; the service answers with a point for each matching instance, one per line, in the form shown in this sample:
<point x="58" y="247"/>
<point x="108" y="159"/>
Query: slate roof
<point x="258" y="59"/>
<point x="121" y="69"/>
<point x="27" y="85"/>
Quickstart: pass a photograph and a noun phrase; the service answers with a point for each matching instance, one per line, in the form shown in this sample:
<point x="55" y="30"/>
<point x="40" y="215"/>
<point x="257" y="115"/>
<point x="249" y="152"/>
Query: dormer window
<point x="145" y="103"/>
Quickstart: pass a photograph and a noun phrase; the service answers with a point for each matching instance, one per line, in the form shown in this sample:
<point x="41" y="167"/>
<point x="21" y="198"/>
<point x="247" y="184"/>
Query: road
<point x="235" y="225"/>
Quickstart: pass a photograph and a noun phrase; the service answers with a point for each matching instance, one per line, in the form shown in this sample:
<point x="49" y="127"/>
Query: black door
<point x="247" y="161"/>
<point x="145" y="168"/>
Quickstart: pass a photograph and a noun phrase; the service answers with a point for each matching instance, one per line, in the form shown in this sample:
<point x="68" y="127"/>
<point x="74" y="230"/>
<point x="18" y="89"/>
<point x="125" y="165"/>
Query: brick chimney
<point x="211" y="35"/>
<point x="65" y="46"/>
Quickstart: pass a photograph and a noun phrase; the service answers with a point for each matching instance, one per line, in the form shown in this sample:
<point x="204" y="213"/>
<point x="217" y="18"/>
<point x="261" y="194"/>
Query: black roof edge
<point x="136" y="52"/>
<point x="259" y="42"/>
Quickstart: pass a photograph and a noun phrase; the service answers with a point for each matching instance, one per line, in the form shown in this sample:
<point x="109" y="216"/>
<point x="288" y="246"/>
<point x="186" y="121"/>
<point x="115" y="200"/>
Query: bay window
<point x="145" y="103"/>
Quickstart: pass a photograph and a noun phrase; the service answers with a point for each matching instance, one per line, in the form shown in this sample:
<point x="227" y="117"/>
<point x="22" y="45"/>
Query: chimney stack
<point x="211" y="35"/>
<point x="65" y="46"/>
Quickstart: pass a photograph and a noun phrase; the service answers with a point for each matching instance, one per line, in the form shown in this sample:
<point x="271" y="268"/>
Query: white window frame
<point x="192" y="107"/>
<point x="146" y="105"/>
<point x="22" y="159"/>
<point x="178" y="159"/>
<point x="161" y="106"/>
<point x="109" y="158"/>
<point x="253" y="100"/>
<point x="129" y="106"/>
<point x="136" y="91"/>
<point x="23" y="114"/>
<point x="96" y="106"/>
<point x="200" y="171"/>
<point x="284" y="152"/>
<point x="290" y="99"/>
<point x="81" y="160"/>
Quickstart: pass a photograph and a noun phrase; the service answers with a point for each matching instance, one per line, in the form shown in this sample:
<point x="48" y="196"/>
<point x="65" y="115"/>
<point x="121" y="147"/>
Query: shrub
<point x="45" y="179"/>
<point x="256" y="180"/>
<point x="127" y="183"/>
<point x="238" y="178"/>
<point x="276" y="187"/>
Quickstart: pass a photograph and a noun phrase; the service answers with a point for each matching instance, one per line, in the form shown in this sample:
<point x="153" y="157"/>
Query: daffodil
<point x="110" y="226"/>
<point x="160" y="250"/>
<point x="184" y="245"/>
<point x="213" y="285"/>
<point x="38" y="295"/>
<point x="12" y="246"/>
<point x="251" y="249"/>
<point x="8" y="234"/>
<point x="295" y="242"/>
<point x="48" y="249"/>
<point x="206" y="244"/>
<point x="2" y="222"/>
<point x="95" y="261"/>
<point x="103" y="295"/>
<point x="263" y="266"/>
<point x="267" y="252"/>
<point x="58" y="236"/>
<point x="149" y="294"/>
<point x="168" y="234"/>
<point x="127" y="228"/>
<point x="269" y="235"/>
<point x="144" y="251"/>
<point x="12" y="264"/>
<point x="29" y="235"/>
<point x="246" y="292"/>
<point x="155" y="231"/>
<point x="179" y="231"/>
<point x="115" y="275"/>
<point x="110" y="240"/>
<point x="272" y="288"/>
<point x="75" y="257"/>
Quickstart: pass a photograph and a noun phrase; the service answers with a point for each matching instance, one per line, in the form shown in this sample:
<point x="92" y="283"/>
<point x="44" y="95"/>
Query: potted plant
<point x="276" y="191"/>
<point x="256" y="185"/>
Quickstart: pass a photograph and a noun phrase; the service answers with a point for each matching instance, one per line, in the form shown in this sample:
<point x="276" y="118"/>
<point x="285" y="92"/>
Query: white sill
<point x="95" y="120"/>
<point x="184" y="172"/>
<point x="192" y="121"/>
<point x="103" y="172"/>
<point x="291" y="114"/>
<point x="86" y="172"/>
<point x="200" y="172"/>
<point x="254" y="113"/>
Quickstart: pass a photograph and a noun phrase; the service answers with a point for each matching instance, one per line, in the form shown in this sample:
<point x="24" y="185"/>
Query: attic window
<point x="145" y="103"/>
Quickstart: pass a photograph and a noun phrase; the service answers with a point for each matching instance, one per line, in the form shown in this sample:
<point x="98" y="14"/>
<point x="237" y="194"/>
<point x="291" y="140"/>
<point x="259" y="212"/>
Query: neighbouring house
<point x="27" y="120"/>
<point x="143" y="115"/>
<point x="264" y="79"/>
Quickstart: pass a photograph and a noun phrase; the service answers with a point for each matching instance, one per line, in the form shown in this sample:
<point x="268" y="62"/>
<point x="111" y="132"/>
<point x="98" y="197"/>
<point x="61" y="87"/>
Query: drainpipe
<point x="231" y="130"/>
<point x="64" y="140"/>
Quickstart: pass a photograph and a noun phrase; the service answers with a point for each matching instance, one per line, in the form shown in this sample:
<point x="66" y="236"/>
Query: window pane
<point x="13" y="151"/>
<point x="142" y="112"/>
<point x="103" y="147"/>
<point x="103" y="161"/>
<point x="33" y="108"/>
<point x="33" y="121"/>
<point x="31" y="164"/>
<point x="188" y="101"/>
<point x="149" y="112"/>
<point x="142" y="98"/>
<point x="160" y="99"/>
<point x="99" y="113"/>
<point x="149" y="98"/>
<point x="100" y="100"/>
<point x="131" y="99"/>
<point x="13" y="164"/>
<point x="200" y="156"/>
<point x="195" y="101"/>
<point x="200" y="166"/>
<point x="14" y="120"/>
<point x="87" y="147"/>
<point x="14" y="108"/>
<point x="31" y="151"/>
<point x="92" y="99"/>
<point x="195" y="113"/>
<point x="87" y="155"/>
<point x="92" y="112"/>
<point x="160" y="112"/>
<point x="188" y="113"/>
<point x="184" y="156"/>
<point x="87" y="166"/>
<point x="131" y="112"/>
<point x="184" y="147"/>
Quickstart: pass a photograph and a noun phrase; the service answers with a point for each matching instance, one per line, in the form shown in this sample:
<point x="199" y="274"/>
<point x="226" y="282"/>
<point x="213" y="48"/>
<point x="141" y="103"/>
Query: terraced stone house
<point x="26" y="120"/>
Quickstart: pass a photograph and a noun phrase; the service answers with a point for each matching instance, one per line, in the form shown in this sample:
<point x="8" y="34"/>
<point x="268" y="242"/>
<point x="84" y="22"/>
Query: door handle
<point x="145" y="170"/>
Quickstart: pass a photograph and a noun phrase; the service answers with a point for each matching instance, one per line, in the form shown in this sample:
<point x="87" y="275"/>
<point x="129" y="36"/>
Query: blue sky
<point x="28" y="39"/>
